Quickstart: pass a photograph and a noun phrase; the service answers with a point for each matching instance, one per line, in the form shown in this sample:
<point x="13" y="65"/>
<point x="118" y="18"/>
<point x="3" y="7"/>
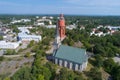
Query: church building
<point x="68" y="56"/>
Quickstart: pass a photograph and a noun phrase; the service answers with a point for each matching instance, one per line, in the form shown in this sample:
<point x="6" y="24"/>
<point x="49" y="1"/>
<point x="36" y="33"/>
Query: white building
<point x="15" y="21"/>
<point x="113" y="27"/>
<point x="24" y="29"/>
<point x="37" y="17"/>
<point x="20" y="21"/>
<point x="9" y="45"/>
<point x="97" y="34"/>
<point x="100" y="26"/>
<point x="27" y="37"/>
<point x="39" y="23"/>
<point x="25" y="20"/>
<point x="50" y="26"/>
<point x="70" y="27"/>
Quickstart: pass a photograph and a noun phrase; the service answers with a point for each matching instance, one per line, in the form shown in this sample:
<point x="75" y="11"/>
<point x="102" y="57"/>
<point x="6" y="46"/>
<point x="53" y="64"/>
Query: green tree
<point x="79" y="77"/>
<point x="109" y="65"/>
<point x="99" y="49"/>
<point x="1" y="37"/>
<point x="40" y="77"/>
<point x="51" y="66"/>
<point x="10" y="52"/>
<point x="7" y="78"/>
<point x="99" y="61"/>
<point x="116" y="73"/>
<point x="66" y="75"/>
<point x="31" y="44"/>
<point x="95" y="74"/>
<point x="27" y="54"/>
<point x="41" y="70"/>
<point x="15" y="29"/>
<point x="1" y="58"/>
<point x="22" y="74"/>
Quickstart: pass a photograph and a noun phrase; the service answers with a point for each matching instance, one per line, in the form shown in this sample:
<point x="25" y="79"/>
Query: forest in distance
<point x="70" y="19"/>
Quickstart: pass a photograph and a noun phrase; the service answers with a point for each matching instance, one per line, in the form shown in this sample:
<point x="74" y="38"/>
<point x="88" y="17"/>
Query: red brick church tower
<point x="60" y="32"/>
<point x="61" y="26"/>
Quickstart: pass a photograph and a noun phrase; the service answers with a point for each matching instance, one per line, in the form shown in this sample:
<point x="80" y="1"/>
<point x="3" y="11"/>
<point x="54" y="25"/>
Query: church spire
<point x="60" y="31"/>
<point x="61" y="25"/>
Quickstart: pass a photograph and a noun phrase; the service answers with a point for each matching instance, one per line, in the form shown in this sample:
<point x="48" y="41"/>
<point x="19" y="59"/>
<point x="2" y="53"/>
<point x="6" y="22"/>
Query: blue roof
<point x="73" y="54"/>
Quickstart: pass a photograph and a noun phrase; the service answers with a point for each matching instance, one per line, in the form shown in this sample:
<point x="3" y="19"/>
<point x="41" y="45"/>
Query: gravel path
<point x="13" y="65"/>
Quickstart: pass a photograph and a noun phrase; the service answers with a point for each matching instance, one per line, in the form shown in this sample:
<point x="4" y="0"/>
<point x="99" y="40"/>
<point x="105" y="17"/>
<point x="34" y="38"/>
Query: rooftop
<point x="73" y="54"/>
<point x="27" y="35"/>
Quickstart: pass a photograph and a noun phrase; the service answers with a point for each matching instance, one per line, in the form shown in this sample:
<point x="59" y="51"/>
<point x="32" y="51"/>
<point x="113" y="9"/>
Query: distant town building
<point x="50" y="26"/>
<point x="20" y="21"/>
<point x="24" y="35"/>
<point x="37" y="17"/>
<point x="115" y="28"/>
<point x="51" y="17"/>
<point x="109" y="30"/>
<point x="2" y="33"/>
<point x="4" y="30"/>
<point x="47" y="17"/>
<point x="8" y="45"/>
<point x="82" y="27"/>
<point x="97" y="33"/>
<point x="41" y="22"/>
<point x="100" y="26"/>
<point x="71" y="27"/>
<point x="24" y="29"/>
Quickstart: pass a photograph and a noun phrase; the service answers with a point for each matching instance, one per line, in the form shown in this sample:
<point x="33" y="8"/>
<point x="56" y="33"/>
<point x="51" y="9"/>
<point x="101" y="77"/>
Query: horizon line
<point x="37" y="14"/>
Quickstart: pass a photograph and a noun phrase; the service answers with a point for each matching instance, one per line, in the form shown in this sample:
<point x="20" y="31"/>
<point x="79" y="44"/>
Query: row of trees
<point x="93" y="20"/>
<point x="70" y="19"/>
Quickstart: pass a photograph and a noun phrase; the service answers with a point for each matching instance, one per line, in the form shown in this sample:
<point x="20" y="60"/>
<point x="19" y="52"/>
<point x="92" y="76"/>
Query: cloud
<point x="96" y="3"/>
<point x="60" y="6"/>
<point x="6" y="3"/>
<point x="73" y="1"/>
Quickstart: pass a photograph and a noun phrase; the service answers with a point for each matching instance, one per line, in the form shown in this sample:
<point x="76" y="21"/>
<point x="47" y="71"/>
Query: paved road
<point x="1" y="52"/>
<point x="12" y="56"/>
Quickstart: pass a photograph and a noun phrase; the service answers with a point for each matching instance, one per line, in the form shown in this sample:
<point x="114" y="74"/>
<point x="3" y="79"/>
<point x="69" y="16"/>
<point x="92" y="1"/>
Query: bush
<point x="31" y="44"/>
<point x="1" y="58"/>
<point x="27" y="54"/>
<point x="22" y="74"/>
<point x="1" y="37"/>
<point x="10" y="52"/>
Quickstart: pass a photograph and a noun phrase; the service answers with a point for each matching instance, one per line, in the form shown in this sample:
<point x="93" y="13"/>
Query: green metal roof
<point x="71" y="54"/>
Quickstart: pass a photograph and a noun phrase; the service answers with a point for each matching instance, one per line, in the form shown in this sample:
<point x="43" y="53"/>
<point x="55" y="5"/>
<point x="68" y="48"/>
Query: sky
<point x="76" y="7"/>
